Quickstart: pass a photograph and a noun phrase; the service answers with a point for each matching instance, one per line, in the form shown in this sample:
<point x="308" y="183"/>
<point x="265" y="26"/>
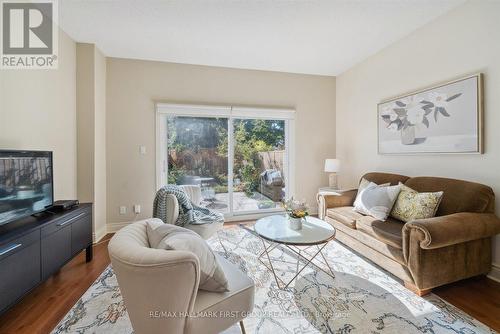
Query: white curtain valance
<point x="224" y="111"/>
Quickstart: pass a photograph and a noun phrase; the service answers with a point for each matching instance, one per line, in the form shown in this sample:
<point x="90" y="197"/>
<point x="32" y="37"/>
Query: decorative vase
<point x="295" y="223"/>
<point x="408" y="135"/>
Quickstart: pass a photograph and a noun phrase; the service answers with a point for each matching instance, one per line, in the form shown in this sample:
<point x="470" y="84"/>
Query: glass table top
<point x="276" y="228"/>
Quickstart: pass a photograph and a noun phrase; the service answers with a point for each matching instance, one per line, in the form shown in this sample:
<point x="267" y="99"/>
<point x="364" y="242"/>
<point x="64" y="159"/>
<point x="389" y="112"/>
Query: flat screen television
<point x="26" y="184"/>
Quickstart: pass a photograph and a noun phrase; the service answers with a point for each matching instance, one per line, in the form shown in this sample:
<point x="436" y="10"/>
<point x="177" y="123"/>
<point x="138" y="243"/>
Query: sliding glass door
<point x="258" y="164"/>
<point x="196" y="154"/>
<point x="240" y="161"/>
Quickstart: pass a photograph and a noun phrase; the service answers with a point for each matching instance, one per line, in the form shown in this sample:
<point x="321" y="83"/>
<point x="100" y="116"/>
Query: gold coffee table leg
<point x="300" y="257"/>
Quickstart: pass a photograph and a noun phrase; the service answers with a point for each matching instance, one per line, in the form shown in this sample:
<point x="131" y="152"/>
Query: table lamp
<point x="332" y="166"/>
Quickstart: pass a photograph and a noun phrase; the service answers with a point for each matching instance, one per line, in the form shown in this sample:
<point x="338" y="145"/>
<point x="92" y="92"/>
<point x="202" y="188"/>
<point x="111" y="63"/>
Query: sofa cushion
<point x="389" y="232"/>
<point x="380" y="178"/>
<point x="368" y="240"/>
<point x="230" y="306"/>
<point x="345" y="215"/>
<point x="459" y="195"/>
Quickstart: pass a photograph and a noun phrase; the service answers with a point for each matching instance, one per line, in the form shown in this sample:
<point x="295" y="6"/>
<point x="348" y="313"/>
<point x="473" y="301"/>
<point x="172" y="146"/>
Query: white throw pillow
<point x="377" y="201"/>
<point x="363" y="184"/>
<point x="172" y="237"/>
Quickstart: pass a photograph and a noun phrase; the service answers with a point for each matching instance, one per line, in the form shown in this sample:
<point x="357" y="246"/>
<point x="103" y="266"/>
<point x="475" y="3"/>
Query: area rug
<point x="362" y="298"/>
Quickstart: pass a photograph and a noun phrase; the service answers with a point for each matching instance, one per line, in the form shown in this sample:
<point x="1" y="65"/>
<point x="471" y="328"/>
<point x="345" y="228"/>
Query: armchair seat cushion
<point x="389" y="232"/>
<point x="345" y="215"/>
<point x="229" y="307"/>
<point x="205" y="230"/>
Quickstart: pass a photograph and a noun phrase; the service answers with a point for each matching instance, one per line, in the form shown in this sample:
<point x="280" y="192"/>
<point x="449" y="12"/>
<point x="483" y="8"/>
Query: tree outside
<point x="198" y="153"/>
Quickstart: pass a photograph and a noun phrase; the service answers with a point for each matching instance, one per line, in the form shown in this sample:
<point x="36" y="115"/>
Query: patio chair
<point x="194" y="194"/>
<point x="272" y="184"/>
<point x="204" y="230"/>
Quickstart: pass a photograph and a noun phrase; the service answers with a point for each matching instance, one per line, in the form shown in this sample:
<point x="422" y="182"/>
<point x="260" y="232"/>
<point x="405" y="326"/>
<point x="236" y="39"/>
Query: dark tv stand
<point x="34" y="248"/>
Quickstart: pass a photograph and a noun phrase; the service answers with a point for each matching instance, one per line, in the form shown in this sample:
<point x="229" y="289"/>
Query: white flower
<point x="412" y="102"/>
<point x="438" y="99"/>
<point x="389" y="111"/>
<point x="393" y="127"/>
<point x="416" y="115"/>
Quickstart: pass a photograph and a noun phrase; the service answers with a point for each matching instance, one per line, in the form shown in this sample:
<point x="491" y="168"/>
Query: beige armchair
<point x="194" y="194"/>
<point x="160" y="288"/>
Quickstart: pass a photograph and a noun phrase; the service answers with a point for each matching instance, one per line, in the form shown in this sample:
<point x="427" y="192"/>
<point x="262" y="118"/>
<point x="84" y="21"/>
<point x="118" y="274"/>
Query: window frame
<point x="162" y="110"/>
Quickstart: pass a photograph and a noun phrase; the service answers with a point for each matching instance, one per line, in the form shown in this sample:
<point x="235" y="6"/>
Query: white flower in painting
<point x="438" y="99"/>
<point x="393" y="127"/>
<point x="389" y="111"/>
<point x="412" y="102"/>
<point x="416" y="115"/>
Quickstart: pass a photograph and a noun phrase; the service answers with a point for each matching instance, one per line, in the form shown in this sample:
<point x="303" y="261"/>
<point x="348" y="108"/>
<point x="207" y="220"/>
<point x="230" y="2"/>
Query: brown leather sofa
<point x="424" y="253"/>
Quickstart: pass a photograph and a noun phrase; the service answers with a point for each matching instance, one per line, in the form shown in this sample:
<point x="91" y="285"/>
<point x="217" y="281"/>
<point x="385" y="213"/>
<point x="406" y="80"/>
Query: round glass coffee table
<point x="315" y="234"/>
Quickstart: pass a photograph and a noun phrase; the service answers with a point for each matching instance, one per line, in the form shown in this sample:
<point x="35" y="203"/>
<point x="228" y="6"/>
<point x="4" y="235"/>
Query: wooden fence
<point x="272" y="159"/>
<point x="207" y="162"/>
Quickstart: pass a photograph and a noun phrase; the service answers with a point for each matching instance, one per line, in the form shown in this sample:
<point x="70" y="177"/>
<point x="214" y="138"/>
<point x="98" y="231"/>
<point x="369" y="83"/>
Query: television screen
<point x="26" y="185"/>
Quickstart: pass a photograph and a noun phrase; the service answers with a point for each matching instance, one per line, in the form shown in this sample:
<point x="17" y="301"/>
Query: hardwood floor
<point x="479" y="297"/>
<point x="44" y="307"/>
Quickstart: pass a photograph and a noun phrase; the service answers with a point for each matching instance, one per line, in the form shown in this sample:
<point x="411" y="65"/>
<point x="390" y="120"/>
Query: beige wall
<point x="37" y="111"/>
<point x="464" y="41"/>
<point x="91" y="125"/>
<point x="133" y="87"/>
<point x="100" y="197"/>
<point x="85" y="90"/>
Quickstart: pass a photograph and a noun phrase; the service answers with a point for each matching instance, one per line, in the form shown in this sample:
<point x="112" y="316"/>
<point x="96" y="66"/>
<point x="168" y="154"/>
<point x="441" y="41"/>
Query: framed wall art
<point x="446" y="118"/>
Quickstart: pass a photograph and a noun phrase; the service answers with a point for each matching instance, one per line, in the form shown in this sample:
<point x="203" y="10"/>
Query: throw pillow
<point x="172" y="237"/>
<point x="377" y="201"/>
<point x="412" y="205"/>
<point x="364" y="183"/>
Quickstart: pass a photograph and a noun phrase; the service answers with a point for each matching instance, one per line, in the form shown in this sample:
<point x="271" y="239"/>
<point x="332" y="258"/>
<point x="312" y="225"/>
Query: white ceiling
<point x="314" y="37"/>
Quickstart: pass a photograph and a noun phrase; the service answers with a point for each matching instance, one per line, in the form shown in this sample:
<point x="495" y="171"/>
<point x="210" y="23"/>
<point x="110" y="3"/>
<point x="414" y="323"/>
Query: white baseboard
<point x="495" y="272"/>
<point x="114" y="227"/>
<point x="98" y="235"/>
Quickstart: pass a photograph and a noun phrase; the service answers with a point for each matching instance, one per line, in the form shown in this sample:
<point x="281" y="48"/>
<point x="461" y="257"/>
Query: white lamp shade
<point x="332" y="165"/>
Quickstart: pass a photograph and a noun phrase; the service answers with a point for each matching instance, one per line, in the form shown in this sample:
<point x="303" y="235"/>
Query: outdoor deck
<point x="241" y="202"/>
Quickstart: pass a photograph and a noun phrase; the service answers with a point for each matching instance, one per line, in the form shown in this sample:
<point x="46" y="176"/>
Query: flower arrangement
<point x="414" y="111"/>
<point x="295" y="209"/>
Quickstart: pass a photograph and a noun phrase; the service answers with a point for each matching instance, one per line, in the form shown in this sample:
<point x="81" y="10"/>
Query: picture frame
<point x="445" y="118"/>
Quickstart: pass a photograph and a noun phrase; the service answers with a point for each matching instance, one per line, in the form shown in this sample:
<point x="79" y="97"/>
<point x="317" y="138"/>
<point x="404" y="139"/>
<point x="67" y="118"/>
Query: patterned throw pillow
<point x="376" y="201"/>
<point x="412" y="205"/>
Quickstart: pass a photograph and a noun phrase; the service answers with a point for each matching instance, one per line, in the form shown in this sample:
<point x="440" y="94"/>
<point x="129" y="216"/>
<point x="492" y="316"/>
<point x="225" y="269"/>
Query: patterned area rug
<point x="361" y="299"/>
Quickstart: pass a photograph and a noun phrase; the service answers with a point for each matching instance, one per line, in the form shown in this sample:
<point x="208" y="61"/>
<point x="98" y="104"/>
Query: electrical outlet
<point x="142" y="149"/>
<point x="123" y="210"/>
<point x="137" y="209"/>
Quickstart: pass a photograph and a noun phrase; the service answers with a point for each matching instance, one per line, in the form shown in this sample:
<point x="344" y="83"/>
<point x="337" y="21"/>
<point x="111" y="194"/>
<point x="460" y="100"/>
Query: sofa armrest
<point x="452" y="229"/>
<point x="343" y="198"/>
<point x="155" y="282"/>
<point x="327" y="200"/>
